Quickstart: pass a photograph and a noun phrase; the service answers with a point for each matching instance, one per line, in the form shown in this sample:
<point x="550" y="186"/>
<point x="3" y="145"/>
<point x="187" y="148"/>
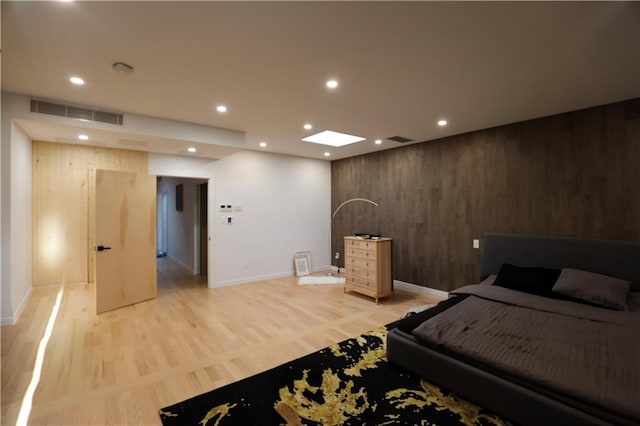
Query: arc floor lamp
<point x="366" y="200"/>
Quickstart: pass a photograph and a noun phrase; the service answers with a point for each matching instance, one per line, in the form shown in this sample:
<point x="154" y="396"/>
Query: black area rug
<point x="349" y="383"/>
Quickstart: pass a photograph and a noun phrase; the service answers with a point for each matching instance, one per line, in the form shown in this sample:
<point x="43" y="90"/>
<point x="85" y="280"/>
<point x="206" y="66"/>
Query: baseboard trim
<point x="16" y="314"/>
<point x="248" y="280"/>
<point x="323" y="268"/>
<point x="181" y="263"/>
<point x="22" y="305"/>
<point x="421" y="289"/>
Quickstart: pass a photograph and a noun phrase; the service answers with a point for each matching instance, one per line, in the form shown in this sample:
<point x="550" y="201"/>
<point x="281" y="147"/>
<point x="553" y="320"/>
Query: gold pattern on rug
<point x="468" y="412"/>
<point x="167" y="414"/>
<point x="367" y="360"/>
<point x="221" y="410"/>
<point x="338" y="403"/>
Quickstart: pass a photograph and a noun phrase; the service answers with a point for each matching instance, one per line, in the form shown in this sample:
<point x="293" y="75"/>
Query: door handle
<point x="103" y="248"/>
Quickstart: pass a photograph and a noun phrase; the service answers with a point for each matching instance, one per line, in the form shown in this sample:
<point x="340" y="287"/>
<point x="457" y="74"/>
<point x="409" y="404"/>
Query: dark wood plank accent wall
<point x="575" y="174"/>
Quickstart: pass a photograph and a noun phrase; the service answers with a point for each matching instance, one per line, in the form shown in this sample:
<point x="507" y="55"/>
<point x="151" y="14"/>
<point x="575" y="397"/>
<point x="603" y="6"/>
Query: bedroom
<point x="253" y="175"/>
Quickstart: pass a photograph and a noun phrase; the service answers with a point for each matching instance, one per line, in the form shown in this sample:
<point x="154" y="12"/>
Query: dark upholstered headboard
<point x="620" y="259"/>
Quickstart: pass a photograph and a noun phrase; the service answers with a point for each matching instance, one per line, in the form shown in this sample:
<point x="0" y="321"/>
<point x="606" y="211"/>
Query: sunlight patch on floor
<point x="27" y="401"/>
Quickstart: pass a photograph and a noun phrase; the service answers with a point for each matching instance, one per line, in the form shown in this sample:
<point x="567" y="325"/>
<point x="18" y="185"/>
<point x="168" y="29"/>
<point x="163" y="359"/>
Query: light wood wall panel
<point x="574" y="174"/>
<point x="62" y="224"/>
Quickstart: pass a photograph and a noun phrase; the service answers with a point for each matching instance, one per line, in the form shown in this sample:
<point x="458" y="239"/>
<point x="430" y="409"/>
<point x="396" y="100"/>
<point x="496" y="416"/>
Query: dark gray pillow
<point x="598" y="289"/>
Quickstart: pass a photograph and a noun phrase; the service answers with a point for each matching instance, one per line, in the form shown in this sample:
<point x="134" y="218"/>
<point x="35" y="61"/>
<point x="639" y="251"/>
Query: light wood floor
<point x="122" y="366"/>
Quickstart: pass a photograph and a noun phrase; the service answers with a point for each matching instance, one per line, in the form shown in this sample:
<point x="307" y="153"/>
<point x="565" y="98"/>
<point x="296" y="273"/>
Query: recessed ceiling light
<point x="191" y="149"/>
<point x="329" y="137"/>
<point x="327" y="154"/>
<point x="442" y="123"/>
<point x="378" y="141"/>
<point x="263" y="144"/>
<point x="332" y="84"/>
<point x="83" y="137"/>
<point x="308" y="126"/>
<point x="221" y="108"/>
<point x="77" y="80"/>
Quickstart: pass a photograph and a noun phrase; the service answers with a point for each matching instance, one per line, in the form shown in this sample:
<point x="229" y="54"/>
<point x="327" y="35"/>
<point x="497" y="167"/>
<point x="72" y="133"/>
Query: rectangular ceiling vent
<point x="132" y="142"/>
<point x="399" y="139"/>
<point x="70" y="111"/>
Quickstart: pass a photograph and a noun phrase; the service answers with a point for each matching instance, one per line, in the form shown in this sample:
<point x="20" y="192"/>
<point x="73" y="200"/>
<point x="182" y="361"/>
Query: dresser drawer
<point x="358" y="281"/>
<point x="361" y="244"/>
<point x="360" y="253"/>
<point x="361" y="272"/>
<point x="361" y="263"/>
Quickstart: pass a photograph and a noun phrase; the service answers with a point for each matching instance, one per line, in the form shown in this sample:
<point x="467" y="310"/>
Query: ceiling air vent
<point x="132" y="142"/>
<point x="70" y="111"/>
<point x="399" y="139"/>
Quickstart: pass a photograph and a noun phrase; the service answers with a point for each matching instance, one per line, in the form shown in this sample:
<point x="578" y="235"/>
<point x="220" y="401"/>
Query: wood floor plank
<point x="120" y="367"/>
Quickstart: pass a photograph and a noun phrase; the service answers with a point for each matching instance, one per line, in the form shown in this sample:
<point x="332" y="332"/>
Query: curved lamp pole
<point x="352" y="200"/>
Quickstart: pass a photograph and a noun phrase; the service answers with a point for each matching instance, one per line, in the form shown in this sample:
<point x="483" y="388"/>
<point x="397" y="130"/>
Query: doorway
<point x="163" y="224"/>
<point x="182" y="231"/>
<point x="203" y="229"/>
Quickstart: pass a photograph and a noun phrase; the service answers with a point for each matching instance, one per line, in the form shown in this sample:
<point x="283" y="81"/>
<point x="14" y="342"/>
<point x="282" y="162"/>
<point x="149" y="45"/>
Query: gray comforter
<point x="588" y="353"/>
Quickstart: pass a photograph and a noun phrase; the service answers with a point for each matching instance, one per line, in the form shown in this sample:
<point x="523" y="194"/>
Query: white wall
<point x="285" y="207"/>
<point x="6" y="311"/>
<point x="181" y="224"/>
<point x="21" y="219"/>
<point x="16" y="211"/>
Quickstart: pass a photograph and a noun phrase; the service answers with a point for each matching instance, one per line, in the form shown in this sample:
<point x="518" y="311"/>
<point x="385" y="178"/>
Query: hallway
<point x="172" y="275"/>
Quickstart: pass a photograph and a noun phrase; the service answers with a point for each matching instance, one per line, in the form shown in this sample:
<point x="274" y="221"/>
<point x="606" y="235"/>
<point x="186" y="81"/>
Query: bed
<point x="536" y="355"/>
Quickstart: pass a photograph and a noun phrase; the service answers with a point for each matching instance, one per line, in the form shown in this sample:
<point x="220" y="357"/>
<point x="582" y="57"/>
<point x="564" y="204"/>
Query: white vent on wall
<point x="71" y="111"/>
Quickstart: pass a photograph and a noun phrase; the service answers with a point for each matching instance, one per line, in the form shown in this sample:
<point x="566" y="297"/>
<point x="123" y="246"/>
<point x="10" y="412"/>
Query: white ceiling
<point x="401" y="65"/>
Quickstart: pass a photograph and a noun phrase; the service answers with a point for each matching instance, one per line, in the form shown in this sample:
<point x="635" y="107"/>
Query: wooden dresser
<point x="367" y="264"/>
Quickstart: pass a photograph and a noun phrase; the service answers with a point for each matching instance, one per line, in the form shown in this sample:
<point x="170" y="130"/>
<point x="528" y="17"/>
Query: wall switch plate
<point x="476" y="244"/>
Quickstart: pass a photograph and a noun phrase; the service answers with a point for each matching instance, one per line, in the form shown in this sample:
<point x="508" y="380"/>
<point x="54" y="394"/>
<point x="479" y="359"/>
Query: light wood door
<point x="125" y="239"/>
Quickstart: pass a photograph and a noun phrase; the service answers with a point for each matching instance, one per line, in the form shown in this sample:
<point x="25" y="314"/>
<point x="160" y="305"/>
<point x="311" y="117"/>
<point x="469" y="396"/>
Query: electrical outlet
<point x="476" y="244"/>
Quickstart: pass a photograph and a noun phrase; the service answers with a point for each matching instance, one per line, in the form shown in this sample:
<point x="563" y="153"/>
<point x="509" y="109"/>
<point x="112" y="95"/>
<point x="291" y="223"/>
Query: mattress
<point x="525" y="361"/>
